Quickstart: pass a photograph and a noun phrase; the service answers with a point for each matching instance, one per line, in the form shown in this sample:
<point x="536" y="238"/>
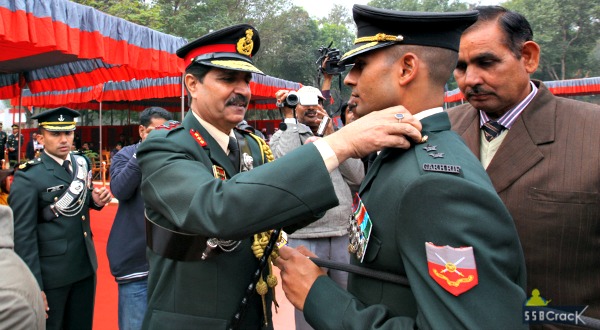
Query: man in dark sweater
<point x="126" y="247"/>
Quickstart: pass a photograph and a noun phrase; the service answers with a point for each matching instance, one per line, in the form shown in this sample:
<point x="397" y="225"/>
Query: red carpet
<point x="105" y="309"/>
<point x="105" y="313"/>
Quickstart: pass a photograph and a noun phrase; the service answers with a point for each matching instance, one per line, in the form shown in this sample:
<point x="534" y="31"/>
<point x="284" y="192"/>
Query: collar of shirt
<point x="221" y="138"/>
<point x="60" y="161"/>
<point x="508" y="119"/>
<point x="427" y="113"/>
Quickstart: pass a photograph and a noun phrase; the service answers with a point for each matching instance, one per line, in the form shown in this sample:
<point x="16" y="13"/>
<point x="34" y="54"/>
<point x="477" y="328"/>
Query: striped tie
<point x="491" y="129"/>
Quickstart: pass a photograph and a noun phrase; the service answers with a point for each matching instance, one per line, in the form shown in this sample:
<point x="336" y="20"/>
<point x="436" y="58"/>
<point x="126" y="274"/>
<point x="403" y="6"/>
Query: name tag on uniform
<point x="55" y="188"/>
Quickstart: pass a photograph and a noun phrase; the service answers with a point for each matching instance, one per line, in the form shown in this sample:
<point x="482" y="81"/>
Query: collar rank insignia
<point x="437" y="155"/>
<point x="429" y="148"/>
<point x="453" y="269"/>
<point x="198" y="138"/>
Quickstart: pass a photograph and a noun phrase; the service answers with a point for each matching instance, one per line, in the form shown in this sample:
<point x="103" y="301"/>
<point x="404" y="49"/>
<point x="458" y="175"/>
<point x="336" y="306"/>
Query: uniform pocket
<point x="569" y="197"/>
<point x="53" y="248"/>
<point x="161" y="320"/>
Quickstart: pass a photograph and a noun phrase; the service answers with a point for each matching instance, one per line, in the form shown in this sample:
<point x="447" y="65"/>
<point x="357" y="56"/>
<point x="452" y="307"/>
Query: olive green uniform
<point x="60" y="251"/>
<point x="181" y="193"/>
<point x="414" y="197"/>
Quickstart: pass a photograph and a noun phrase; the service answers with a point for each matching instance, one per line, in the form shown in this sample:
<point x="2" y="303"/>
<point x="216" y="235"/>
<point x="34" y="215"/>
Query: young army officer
<point x="206" y="211"/>
<point x="51" y="197"/>
<point x="428" y="213"/>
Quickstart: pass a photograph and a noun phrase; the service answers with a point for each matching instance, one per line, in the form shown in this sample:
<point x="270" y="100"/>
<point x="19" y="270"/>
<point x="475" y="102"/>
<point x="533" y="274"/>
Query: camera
<point x="300" y="97"/>
<point x="291" y="100"/>
<point x="332" y="66"/>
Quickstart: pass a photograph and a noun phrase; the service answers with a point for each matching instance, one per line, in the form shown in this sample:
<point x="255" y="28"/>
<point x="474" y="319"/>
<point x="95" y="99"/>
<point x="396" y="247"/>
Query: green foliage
<point x="568" y="33"/>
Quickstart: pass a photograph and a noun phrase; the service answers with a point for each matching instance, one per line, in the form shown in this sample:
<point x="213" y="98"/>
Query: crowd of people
<point x="407" y="215"/>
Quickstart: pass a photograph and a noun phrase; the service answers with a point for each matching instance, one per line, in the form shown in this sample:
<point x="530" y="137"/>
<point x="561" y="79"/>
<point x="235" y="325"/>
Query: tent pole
<point x="19" y="132"/>
<point x="100" y="116"/>
<point x="182" y="97"/>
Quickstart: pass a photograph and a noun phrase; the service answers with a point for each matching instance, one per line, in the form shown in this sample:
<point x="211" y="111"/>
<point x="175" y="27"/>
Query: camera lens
<point x="291" y="100"/>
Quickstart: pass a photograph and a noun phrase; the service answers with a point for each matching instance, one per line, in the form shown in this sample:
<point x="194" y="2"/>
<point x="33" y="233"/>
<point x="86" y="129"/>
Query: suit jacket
<point x="60" y="251"/>
<point x="21" y="305"/>
<point x="413" y="198"/>
<point x="181" y="193"/>
<point x="547" y="172"/>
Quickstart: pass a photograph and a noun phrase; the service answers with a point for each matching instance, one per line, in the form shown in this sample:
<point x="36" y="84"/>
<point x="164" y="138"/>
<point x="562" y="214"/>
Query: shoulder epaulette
<point x="432" y="157"/>
<point x="29" y="164"/>
<point x="168" y="125"/>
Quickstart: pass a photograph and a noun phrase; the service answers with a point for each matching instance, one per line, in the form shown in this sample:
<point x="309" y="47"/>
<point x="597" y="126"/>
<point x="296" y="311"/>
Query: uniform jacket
<point x="347" y="176"/>
<point x="547" y="172"/>
<point x="21" y="305"/>
<point x="60" y="251"/>
<point x="409" y="207"/>
<point x="13" y="141"/>
<point x="126" y="248"/>
<point x="3" y="139"/>
<point x="180" y="192"/>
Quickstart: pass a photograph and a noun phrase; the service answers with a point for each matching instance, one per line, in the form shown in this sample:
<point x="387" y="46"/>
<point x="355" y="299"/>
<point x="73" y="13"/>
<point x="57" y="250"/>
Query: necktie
<point x="491" y="129"/>
<point x="65" y="164"/>
<point x="234" y="152"/>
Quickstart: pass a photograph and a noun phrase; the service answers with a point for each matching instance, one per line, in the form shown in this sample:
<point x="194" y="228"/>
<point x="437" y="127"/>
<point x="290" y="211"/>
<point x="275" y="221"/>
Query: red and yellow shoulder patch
<point x="452" y="268"/>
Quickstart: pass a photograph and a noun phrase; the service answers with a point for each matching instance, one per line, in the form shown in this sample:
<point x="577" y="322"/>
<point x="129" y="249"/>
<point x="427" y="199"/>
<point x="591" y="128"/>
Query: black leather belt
<point x="174" y="245"/>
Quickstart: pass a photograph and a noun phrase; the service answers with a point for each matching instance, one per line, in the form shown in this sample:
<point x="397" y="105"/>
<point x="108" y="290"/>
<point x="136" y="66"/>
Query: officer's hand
<point x="297" y="273"/>
<point x="46" y="308"/>
<point x="375" y="131"/>
<point x="101" y="196"/>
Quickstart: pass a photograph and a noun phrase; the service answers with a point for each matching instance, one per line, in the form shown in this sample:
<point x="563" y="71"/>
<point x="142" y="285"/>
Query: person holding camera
<point x="328" y="236"/>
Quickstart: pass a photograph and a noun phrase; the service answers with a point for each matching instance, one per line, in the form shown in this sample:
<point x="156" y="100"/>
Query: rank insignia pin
<point x="437" y="155"/>
<point x="430" y="148"/>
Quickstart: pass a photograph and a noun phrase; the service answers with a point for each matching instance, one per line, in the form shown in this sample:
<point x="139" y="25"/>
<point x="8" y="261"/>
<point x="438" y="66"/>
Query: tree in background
<point x="568" y="33"/>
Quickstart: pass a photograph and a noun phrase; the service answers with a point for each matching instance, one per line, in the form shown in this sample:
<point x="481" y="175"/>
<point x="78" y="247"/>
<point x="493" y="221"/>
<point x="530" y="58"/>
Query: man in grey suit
<point x="21" y="305"/>
<point x="328" y="236"/>
<point x="541" y="153"/>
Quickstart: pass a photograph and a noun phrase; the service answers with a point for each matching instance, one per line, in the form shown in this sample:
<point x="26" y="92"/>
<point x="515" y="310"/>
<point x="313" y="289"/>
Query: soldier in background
<point x="13" y="144"/>
<point x="3" y="139"/>
<point x="51" y="197"/>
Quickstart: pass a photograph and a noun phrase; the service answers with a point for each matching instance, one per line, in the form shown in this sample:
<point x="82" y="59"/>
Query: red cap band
<point x="219" y="48"/>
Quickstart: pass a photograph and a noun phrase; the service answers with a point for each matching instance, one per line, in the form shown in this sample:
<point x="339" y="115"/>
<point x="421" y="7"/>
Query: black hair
<point x="199" y="71"/>
<point x="153" y="112"/>
<point x="515" y="26"/>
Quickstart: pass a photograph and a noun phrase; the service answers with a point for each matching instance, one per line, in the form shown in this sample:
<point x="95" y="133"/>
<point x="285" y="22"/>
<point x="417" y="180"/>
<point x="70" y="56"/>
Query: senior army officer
<point x="192" y="192"/>
<point x="51" y="197"/>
